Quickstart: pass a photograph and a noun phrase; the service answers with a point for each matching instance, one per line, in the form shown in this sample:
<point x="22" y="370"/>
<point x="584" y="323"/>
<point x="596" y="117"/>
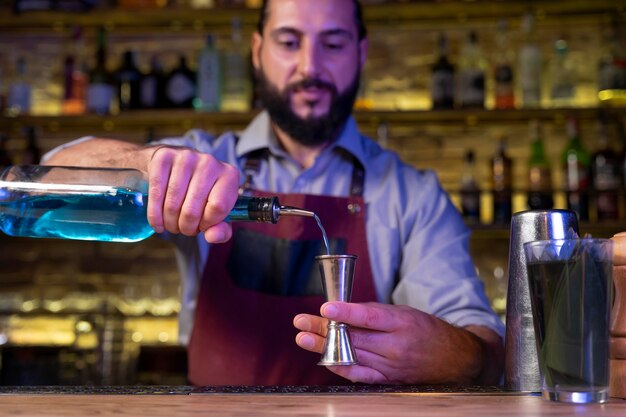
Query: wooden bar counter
<point x="181" y="401"/>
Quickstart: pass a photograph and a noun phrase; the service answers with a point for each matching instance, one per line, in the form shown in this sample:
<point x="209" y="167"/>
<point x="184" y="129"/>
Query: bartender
<point x="253" y="310"/>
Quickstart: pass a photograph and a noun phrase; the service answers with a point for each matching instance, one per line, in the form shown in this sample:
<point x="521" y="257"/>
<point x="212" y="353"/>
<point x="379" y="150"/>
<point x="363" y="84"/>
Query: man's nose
<point x="309" y="60"/>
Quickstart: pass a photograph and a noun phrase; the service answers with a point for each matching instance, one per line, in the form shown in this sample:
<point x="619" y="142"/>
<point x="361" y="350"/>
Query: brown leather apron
<point x="256" y="283"/>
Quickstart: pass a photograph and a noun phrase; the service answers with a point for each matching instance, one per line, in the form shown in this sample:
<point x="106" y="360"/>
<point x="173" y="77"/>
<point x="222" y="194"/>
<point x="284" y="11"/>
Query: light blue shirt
<point x="418" y="243"/>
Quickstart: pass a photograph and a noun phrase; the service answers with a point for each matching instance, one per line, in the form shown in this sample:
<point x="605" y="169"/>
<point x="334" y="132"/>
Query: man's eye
<point x="288" y="43"/>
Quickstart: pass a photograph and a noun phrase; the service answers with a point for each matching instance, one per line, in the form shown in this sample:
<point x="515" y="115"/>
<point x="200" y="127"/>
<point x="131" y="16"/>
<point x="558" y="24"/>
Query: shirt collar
<point x="259" y="135"/>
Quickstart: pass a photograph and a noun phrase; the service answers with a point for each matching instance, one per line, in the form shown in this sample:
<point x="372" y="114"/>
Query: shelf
<point x="397" y="14"/>
<point x="187" y="119"/>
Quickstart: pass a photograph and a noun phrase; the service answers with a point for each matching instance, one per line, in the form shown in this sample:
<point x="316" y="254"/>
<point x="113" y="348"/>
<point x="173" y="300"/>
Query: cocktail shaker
<point x="521" y="362"/>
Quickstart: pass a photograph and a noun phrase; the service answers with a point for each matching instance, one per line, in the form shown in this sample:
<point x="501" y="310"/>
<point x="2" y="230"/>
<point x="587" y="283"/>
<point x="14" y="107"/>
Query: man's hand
<point x="190" y="193"/>
<point x="402" y="345"/>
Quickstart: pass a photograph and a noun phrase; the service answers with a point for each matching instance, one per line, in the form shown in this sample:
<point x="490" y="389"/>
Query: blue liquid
<point x="108" y="217"/>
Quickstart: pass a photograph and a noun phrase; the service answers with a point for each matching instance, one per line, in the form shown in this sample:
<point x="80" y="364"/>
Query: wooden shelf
<point x="187" y="119"/>
<point x="397" y="14"/>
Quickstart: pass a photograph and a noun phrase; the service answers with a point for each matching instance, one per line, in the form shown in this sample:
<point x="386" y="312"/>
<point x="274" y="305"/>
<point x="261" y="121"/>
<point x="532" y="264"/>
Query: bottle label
<point x="99" y="97"/>
<point x="208" y="81"/>
<point x="180" y="89"/>
<point x="442" y="86"/>
<point x="472" y="88"/>
<point x="148" y="95"/>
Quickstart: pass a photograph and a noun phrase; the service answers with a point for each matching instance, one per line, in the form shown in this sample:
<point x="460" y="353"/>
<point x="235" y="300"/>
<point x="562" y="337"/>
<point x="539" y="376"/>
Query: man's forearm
<point x="100" y="152"/>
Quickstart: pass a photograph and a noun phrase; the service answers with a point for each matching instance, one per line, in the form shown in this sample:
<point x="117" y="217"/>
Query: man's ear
<point x="257" y="43"/>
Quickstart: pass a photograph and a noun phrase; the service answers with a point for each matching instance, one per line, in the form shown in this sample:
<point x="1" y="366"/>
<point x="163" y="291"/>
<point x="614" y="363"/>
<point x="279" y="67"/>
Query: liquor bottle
<point x="208" y="77"/>
<point x="471" y="77"/>
<point x="236" y="93"/>
<point x="31" y="154"/>
<point x="102" y="204"/>
<point x="606" y="175"/>
<point x="152" y="94"/>
<point x="470" y="190"/>
<point x="530" y="64"/>
<point x="19" y="94"/>
<point x="503" y="69"/>
<point x="128" y="78"/>
<point x="180" y="86"/>
<point x="612" y="68"/>
<point x="576" y="162"/>
<point x="75" y="76"/>
<point x="442" y="77"/>
<point x="502" y="184"/>
<point x="562" y="76"/>
<point x="539" y="175"/>
<point x="5" y="157"/>
<point x="101" y="90"/>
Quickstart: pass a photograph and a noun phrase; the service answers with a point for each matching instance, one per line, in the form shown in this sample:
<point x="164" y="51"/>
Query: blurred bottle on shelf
<point x="382" y="134"/>
<point x="180" y="86"/>
<point x="606" y="174"/>
<point x="562" y="76"/>
<point x="471" y="76"/>
<point x="576" y="164"/>
<point x="21" y="6"/>
<point x="101" y="89"/>
<point x="152" y="94"/>
<point x="612" y="68"/>
<point x="19" y="92"/>
<point x="503" y="69"/>
<point x="128" y="83"/>
<point x="539" y="174"/>
<point x="3" y="95"/>
<point x="442" y="77"/>
<point x="502" y="184"/>
<point x="31" y="155"/>
<point x="470" y="189"/>
<point x="530" y="64"/>
<point x="236" y="91"/>
<point x="208" y="77"/>
<point x="75" y="76"/>
<point x="5" y="157"/>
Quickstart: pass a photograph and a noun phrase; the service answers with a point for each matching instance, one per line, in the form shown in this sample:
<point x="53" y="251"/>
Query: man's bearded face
<point x="312" y="130"/>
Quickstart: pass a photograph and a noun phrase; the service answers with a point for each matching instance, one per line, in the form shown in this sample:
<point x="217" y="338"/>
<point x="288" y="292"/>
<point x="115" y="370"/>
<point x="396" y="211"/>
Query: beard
<point x="312" y="130"/>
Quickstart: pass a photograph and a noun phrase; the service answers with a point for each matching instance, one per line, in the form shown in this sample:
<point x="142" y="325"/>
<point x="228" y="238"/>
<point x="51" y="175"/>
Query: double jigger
<point x="337" y="272"/>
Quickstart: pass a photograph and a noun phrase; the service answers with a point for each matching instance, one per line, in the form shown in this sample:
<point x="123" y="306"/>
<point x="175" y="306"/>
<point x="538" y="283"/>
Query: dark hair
<point x="358" y="17"/>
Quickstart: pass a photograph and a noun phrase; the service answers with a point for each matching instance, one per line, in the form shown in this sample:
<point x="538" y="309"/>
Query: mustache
<point x="311" y="82"/>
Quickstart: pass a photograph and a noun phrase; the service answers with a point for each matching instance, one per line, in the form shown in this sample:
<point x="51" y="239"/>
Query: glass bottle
<point x="236" y="91"/>
<point x="180" y="86"/>
<point x="575" y="162"/>
<point x="75" y="76"/>
<point x="152" y="94"/>
<point x="19" y="94"/>
<point x="503" y="69"/>
<point x="530" y="64"/>
<point x="562" y="76"/>
<point x="470" y="190"/>
<point x="612" y="68"/>
<point x="128" y="79"/>
<point x="539" y="174"/>
<point x="31" y="154"/>
<point x="208" y="77"/>
<point x="471" y="77"/>
<point x="606" y="176"/>
<point x="502" y="184"/>
<point x="103" y="204"/>
<point x="442" y="78"/>
<point x="101" y="90"/>
<point x="5" y="157"/>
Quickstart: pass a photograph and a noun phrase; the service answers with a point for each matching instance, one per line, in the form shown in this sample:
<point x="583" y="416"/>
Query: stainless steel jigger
<point x="337" y="275"/>
<point x="521" y="363"/>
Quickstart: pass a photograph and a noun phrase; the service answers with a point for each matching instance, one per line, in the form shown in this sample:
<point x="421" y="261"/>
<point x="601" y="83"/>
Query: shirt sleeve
<point x="437" y="274"/>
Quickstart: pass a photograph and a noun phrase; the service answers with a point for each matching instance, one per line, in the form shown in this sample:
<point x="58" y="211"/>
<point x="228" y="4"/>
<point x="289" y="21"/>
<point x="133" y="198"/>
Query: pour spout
<point x="293" y="211"/>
